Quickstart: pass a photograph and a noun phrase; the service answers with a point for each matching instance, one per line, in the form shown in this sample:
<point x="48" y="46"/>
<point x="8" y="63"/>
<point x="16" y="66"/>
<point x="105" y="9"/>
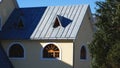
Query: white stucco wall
<point x="84" y="37"/>
<point x="33" y="57"/>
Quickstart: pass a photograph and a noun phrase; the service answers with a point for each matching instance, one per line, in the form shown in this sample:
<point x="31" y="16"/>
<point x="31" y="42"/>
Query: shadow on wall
<point x="21" y="23"/>
<point x="49" y="62"/>
<point x="4" y="61"/>
<point x="33" y="58"/>
<point x="54" y="64"/>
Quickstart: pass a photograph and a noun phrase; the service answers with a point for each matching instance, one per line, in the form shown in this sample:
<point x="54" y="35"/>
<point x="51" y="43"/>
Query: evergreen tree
<point x="107" y="36"/>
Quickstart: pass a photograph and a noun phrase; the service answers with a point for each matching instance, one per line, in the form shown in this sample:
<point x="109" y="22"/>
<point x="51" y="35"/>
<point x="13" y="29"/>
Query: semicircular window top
<point x="83" y="54"/>
<point x="51" y="51"/>
<point x="16" y="51"/>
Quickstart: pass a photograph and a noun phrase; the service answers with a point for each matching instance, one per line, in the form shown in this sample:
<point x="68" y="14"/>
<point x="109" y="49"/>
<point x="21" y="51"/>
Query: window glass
<point x="83" y="52"/>
<point x="51" y="51"/>
<point x="16" y="51"/>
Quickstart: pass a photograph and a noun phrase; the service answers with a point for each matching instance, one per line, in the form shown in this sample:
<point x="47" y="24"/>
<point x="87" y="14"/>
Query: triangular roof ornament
<point x="61" y="21"/>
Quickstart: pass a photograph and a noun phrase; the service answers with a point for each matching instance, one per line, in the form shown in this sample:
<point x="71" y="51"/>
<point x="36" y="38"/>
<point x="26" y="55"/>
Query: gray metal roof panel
<point x="45" y="30"/>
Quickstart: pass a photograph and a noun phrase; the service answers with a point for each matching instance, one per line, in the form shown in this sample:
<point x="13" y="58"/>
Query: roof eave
<point x="55" y="39"/>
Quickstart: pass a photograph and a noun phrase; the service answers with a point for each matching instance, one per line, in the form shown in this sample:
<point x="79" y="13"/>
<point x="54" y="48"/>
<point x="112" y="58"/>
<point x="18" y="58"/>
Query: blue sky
<point x="38" y="3"/>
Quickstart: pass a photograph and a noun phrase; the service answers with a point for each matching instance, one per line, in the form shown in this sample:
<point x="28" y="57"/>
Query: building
<point x="46" y="37"/>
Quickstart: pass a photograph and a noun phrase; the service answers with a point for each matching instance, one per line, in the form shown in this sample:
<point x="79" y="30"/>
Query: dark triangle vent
<point x="20" y="24"/>
<point x="56" y="23"/>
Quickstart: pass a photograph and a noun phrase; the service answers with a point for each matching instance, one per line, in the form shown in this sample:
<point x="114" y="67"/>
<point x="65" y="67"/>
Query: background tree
<point x="105" y="47"/>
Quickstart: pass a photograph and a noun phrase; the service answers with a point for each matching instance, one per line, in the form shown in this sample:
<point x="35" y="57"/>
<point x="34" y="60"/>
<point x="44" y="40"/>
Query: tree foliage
<point x="105" y="47"/>
<point x="113" y="56"/>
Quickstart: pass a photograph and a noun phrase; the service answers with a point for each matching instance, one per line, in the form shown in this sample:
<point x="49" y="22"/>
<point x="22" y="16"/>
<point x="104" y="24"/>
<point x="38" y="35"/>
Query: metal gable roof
<point x="38" y="23"/>
<point x="45" y="30"/>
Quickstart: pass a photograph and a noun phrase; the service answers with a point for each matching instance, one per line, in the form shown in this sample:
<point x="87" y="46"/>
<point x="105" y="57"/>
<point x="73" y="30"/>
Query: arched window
<point x="16" y="51"/>
<point x="83" y="54"/>
<point x="51" y="51"/>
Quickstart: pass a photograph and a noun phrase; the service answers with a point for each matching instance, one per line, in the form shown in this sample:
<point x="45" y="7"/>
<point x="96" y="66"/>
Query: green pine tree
<point x="107" y="35"/>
